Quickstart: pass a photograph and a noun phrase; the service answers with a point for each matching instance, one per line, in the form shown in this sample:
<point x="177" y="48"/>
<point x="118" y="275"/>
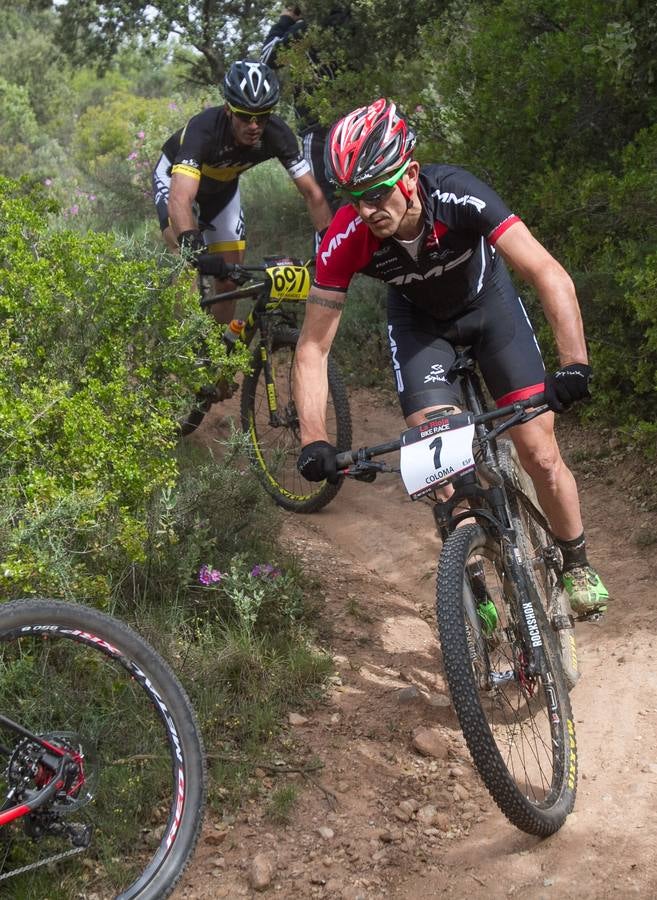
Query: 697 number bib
<point x="289" y="282"/>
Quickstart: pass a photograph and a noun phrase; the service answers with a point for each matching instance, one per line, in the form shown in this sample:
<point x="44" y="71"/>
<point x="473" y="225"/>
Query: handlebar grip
<point x="536" y="400"/>
<point x="344" y="459"/>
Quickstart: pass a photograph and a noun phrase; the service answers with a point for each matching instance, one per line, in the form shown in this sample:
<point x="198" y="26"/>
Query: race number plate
<point x="436" y="451"/>
<point x="289" y="282"/>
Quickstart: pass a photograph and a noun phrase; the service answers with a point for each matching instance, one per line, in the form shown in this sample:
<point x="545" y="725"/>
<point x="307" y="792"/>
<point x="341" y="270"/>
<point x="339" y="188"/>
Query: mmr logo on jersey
<point x="337" y="239"/>
<point x="446" y="197"/>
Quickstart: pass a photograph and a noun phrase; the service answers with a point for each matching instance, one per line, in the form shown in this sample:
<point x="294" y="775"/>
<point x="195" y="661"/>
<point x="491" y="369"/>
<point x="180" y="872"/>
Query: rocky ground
<point x="389" y="804"/>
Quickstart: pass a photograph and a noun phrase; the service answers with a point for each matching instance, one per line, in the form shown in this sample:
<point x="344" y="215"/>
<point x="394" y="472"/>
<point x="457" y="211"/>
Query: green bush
<point x="98" y="349"/>
<point x="117" y="144"/>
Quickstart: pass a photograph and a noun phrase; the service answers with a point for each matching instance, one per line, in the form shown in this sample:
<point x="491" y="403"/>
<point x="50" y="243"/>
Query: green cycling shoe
<point x="585" y="590"/>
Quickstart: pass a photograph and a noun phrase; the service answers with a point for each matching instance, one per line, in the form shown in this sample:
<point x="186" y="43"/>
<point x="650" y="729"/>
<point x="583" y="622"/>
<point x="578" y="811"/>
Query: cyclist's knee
<point x="542" y="462"/>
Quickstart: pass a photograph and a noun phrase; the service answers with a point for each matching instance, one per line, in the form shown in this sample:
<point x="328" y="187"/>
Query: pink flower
<point x="208" y="575"/>
<point x="141" y="135"/>
<point x="47" y="182"/>
<point x="74" y="210"/>
<point x="133" y="155"/>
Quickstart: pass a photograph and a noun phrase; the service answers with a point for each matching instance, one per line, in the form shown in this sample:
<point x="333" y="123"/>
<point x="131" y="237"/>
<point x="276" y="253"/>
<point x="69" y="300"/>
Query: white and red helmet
<point x="368" y="143"/>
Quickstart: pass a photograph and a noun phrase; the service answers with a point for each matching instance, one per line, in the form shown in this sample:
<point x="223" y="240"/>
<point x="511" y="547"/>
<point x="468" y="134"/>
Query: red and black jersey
<point x="464" y="217"/>
<point x="205" y="149"/>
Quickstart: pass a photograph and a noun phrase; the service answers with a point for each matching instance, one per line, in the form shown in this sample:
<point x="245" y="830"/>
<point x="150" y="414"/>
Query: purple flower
<point x="265" y="570"/>
<point x="74" y="210"/>
<point x="208" y="575"/>
<point x="173" y="105"/>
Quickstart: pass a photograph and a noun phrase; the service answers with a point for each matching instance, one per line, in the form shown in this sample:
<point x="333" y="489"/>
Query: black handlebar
<point x="517" y="413"/>
<point x="210" y="264"/>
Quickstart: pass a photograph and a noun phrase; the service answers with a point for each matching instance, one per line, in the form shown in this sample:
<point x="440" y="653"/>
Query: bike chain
<point x="43" y="862"/>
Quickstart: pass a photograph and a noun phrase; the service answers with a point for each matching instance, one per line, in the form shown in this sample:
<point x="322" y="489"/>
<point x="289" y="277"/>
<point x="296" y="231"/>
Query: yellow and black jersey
<point x="205" y="149"/>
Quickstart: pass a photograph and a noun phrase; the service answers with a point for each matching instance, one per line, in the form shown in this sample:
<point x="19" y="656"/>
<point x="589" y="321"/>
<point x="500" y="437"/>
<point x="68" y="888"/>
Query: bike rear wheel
<point x="88" y="683"/>
<point x="518" y="725"/>
<point x="275" y="440"/>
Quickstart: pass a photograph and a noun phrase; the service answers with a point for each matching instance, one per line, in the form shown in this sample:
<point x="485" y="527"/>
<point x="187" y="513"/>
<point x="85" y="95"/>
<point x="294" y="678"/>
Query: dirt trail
<point x="374" y="552"/>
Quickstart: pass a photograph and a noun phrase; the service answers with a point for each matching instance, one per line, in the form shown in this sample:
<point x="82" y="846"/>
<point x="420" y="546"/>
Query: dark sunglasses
<point x="379" y="192"/>
<point x="245" y="116"/>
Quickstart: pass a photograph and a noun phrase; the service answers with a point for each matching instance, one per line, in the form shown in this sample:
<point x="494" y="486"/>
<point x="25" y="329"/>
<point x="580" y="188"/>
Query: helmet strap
<point x="405" y="193"/>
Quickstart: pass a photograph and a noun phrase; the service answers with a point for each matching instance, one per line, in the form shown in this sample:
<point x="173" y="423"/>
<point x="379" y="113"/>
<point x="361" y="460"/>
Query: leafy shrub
<point x="98" y="349"/>
<point x="117" y="144"/>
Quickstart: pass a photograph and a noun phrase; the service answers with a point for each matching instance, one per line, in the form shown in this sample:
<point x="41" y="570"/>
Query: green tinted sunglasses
<point x="378" y="192"/>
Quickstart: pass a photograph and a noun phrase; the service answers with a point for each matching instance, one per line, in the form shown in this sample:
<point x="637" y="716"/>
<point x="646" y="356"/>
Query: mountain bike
<point x="104" y="775"/>
<point x="497" y="594"/>
<point x="267" y="410"/>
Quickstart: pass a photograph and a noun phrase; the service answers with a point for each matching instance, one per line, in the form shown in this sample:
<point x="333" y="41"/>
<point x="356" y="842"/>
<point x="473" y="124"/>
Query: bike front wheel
<point x="129" y="817"/>
<point x="274" y="435"/>
<point x="517" y="722"/>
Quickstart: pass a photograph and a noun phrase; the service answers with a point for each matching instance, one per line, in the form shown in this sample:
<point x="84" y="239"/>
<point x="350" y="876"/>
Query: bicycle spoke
<point x="515" y="721"/>
<point x="123" y="800"/>
<point x="274" y="433"/>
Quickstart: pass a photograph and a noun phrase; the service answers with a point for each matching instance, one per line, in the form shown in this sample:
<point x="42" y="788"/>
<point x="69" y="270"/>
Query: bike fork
<point x="272" y="400"/>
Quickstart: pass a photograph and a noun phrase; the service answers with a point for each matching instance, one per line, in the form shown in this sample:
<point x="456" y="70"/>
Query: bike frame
<point x="261" y="318"/>
<point x="486" y="504"/>
<point x="9" y="814"/>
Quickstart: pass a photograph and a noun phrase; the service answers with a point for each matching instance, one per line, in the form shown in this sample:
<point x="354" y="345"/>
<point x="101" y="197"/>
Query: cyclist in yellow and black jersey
<point x="196" y="179"/>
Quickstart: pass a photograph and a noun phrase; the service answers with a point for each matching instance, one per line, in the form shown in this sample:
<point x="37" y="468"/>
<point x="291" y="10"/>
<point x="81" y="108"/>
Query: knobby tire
<point x="520" y="733"/>
<point x="274" y="450"/>
<point x="86" y="678"/>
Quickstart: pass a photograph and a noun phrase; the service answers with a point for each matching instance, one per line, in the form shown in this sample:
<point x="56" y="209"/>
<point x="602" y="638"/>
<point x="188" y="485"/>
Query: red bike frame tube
<point x="14" y="813"/>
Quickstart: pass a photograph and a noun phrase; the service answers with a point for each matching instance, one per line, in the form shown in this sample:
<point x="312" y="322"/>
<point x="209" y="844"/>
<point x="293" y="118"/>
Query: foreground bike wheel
<point x="275" y="441"/>
<point x="542" y="556"/>
<point x="88" y="683"/>
<point x="518" y="726"/>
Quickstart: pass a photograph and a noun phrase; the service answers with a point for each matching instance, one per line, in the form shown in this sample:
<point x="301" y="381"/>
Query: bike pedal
<point x="562" y="621"/>
<point x="594" y="617"/>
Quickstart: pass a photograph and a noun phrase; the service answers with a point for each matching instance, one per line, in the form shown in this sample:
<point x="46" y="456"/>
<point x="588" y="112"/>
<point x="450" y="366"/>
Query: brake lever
<point x="366" y="470"/>
<point x="239" y="275"/>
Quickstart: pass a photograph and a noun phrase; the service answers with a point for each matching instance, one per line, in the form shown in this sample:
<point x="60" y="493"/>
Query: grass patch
<point x="356" y="611"/>
<point x="281" y="804"/>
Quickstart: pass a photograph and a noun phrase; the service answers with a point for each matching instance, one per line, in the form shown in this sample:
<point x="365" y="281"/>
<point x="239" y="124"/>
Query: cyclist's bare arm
<point x="554" y="286"/>
<point x="323" y="311"/>
<point x="318" y="209"/>
<point x="181" y="198"/>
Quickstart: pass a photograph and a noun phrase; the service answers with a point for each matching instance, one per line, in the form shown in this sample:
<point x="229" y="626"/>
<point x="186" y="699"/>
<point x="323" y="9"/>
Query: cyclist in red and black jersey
<point x="440" y="237"/>
<point x="196" y="180"/>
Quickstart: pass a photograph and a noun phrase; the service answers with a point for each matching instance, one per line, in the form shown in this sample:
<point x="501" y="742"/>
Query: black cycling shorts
<point x="496" y="328"/>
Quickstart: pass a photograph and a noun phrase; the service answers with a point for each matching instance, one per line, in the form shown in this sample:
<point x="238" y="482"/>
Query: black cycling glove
<point x="316" y="462"/>
<point x="191" y="245"/>
<point x="567" y="385"/>
<point x="213" y="264"/>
